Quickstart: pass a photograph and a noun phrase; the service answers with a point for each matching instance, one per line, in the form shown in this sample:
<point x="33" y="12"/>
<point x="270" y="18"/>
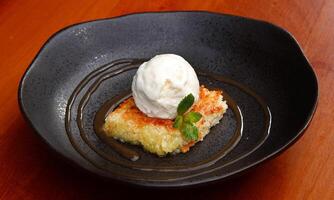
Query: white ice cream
<point x="161" y="83"/>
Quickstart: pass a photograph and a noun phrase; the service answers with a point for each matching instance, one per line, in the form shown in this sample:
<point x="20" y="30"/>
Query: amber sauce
<point x="108" y="71"/>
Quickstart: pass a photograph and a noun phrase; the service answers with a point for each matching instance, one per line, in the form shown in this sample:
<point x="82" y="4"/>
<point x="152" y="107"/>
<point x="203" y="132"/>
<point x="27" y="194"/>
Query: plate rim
<point x="272" y="155"/>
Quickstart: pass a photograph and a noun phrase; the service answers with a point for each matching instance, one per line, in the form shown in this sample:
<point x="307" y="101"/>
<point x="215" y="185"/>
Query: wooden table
<point x="29" y="171"/>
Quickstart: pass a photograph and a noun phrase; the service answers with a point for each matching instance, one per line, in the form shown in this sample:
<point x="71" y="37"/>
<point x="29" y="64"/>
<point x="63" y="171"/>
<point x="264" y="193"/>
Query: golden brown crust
<point x="206" y="100"/>
<point x="158" y="136"/>
<point x="204" y="105"/>
<point x="131" y="112"/>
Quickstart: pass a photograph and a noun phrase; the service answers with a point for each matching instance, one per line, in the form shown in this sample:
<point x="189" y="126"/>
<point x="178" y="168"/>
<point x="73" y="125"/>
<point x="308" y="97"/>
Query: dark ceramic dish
<point x="257" y="54"/>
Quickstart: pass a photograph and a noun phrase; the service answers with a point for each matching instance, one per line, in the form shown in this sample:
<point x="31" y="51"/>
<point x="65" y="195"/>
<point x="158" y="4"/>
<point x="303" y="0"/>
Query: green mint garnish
<point x="178" y="122"/>
<point x="185" y="121"/>
<point x="192" y="117"/>
<point x="185" y="104"/>
<point x="190" y="131"/>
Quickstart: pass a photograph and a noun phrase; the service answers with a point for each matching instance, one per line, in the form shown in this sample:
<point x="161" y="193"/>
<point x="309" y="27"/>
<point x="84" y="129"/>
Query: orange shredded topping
<point x="207" y="101"/>
<point x="206" y="105"/>
<point x="186" y="147"/>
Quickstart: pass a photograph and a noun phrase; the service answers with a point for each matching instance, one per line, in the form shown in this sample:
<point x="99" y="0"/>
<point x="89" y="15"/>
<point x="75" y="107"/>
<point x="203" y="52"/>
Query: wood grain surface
<point x="28" y="170"/>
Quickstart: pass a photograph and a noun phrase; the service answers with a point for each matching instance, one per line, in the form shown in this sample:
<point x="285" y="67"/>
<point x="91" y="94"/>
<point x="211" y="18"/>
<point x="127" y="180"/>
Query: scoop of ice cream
<point x="161" y="83"/>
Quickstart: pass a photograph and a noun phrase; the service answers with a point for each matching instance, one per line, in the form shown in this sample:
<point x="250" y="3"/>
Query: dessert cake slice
<point x="128" y="124"/>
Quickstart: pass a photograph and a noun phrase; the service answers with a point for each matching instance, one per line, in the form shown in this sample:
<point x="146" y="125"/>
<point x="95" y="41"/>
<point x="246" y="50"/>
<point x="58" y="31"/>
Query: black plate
<point x="257" y="54"/>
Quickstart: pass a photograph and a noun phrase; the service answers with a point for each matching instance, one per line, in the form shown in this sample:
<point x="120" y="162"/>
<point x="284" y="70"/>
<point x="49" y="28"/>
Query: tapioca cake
<point x="128" y="124"/>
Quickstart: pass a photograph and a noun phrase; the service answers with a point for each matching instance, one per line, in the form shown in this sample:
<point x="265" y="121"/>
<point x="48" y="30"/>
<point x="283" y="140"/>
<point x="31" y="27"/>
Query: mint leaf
<point x="185" y="123"/>
<point x="185" y="104"/>
<point x="189" y="131"/>
<point x="192" y="117"/>
<point x="178" y="122"/>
